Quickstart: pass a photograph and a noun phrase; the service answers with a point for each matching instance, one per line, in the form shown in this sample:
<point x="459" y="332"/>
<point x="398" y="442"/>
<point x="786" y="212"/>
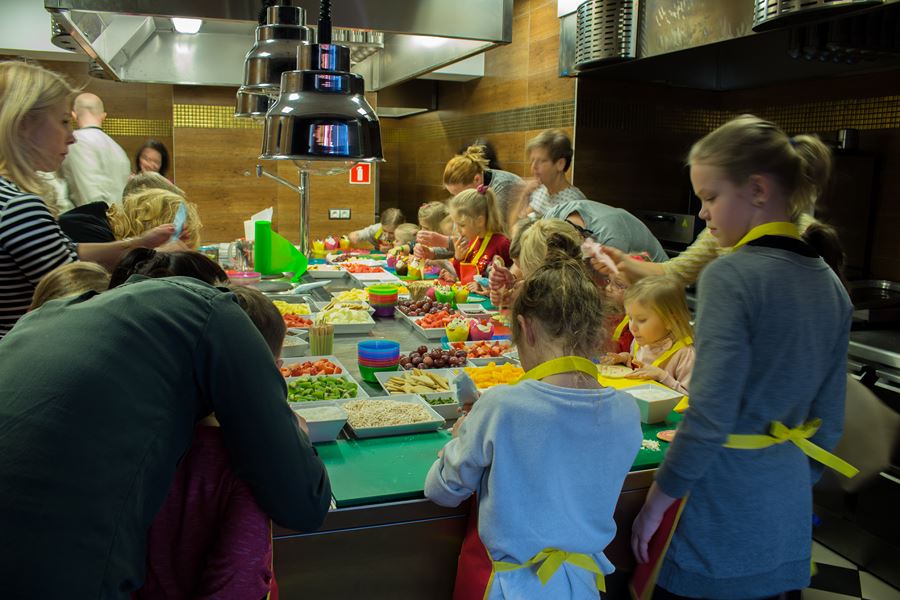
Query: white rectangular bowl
<point x="360" y="392"/>
<point x="384" y="376"/>
<point x="498" y="360"/>
<point x="348" y="328"/>
<point x="428" y="334"/>
<point x="321" y="431"/>
<point x="303" y="359"/>
<point x="449" y="411"/>
<point x="654" y="401"/>
<point x="329" y="273"/>
<point x="431" y="425"/>
<point x="299" y="348"/>
<point x="368" y="279"/>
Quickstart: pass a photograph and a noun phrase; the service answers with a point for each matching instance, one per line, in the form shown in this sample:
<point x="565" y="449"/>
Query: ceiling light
<point x="187" y="25"/>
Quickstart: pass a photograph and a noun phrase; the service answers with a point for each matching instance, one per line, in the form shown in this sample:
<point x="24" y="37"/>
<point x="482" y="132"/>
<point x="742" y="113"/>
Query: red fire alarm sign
<point x="361" y="173"/>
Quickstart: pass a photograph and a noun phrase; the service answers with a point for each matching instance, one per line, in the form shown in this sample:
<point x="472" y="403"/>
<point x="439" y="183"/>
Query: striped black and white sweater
<point x="31" y="245"/>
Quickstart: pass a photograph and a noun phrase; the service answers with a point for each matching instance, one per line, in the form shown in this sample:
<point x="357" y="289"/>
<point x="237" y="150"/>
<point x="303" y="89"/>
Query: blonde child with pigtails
<point x="768" y="385"/>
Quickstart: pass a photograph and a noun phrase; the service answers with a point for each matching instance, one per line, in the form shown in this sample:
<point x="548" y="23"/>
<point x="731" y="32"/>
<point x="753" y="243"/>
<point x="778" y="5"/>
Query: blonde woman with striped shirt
<point x="35" y="133"/>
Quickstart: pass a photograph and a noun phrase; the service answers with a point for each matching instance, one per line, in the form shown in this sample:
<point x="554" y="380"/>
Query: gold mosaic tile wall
<point x="202" y="116"/>
<point x="543" y="116"/>
<point x="882" y="112"/>
<point x="149" y="128"/>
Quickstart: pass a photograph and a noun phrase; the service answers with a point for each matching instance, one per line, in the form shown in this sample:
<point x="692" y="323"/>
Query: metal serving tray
<point x="431" y="425"/>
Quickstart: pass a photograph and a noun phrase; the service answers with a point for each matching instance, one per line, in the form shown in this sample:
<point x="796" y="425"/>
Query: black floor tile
<point x="837" y="579"/>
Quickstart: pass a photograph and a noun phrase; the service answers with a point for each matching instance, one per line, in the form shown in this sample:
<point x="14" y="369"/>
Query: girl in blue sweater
<point x="746" y="454"/>
<point x="546" y="456"/>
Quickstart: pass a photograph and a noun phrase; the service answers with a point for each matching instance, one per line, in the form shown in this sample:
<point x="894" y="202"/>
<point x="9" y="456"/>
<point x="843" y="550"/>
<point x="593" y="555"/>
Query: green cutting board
<point x="380" y="469"/>
<point x="650" y="459"/>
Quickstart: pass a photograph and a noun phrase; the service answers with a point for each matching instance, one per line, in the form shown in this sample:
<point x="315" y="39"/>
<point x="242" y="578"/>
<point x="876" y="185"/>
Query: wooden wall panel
<point x="520" y="75"/>
<point x="219" y="173"/>
<point x="132" y="101"/>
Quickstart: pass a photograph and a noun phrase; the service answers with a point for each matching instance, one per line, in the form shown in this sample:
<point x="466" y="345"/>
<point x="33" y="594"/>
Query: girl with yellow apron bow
<point x="767" y="393"/>
<point x="475" y="214"/>
<point x="543" y="512"/>
<point x="658" y="317"/>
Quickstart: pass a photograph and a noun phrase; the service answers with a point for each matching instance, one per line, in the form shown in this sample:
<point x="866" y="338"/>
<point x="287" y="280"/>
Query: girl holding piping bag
<point x="759" y="431"/>
<point x="477" y="220"/>
<point x="544" y="513"/>
<point x="659" y="320"/>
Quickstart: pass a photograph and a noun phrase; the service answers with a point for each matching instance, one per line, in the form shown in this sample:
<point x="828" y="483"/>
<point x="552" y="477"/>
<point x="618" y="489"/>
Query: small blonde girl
<point x="663" y="347"/>
<point x="70" y="280"/>
<point x="142" y="211"/>
<point x="432" y="215"/>
<point x="478" y="224"/>
<point x="405" y="237"/>
<point x="381" y="234"/>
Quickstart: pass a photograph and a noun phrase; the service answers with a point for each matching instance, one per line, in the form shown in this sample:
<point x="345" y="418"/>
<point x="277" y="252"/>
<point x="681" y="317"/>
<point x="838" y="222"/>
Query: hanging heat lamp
<point x="322" y="113"/>
<point x="321" y="120"/>
<point x="281" y="29"/>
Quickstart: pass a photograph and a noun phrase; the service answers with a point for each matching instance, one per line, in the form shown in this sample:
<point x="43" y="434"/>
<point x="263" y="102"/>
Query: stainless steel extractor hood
<point x="391" y="41"/>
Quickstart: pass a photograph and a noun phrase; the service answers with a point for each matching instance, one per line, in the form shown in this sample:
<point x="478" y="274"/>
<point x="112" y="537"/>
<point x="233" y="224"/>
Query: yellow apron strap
<point x="481" y="249"/>
<point x="550" y="560"/>
<point x="378" y="233"/>
<point x="620" y="329"/>
<point x="781" y="228"/>
<point x="661" y="360"/>
<point x="779" y="433"/>
<point x="563" y="364"/>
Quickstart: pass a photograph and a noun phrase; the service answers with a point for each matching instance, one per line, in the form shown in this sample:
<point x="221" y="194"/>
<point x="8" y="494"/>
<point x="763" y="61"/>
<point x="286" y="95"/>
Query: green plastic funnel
<point x="274" y="254"/>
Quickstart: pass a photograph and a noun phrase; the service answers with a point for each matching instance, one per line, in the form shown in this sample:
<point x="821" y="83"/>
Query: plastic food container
<point x="378" y="350"/>
<point x="294" y="346"/>
<point x="433" y="424"/>
<point x="244" y="277"/>
<point x="321" y="429"/>
<point x="654" y="401"/>
<point x="375" y="356"/>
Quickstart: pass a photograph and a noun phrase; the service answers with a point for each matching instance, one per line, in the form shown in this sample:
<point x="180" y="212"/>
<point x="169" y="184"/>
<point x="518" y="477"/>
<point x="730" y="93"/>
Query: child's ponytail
<point x="564" y="302"/>
<point x="814" y="172"/>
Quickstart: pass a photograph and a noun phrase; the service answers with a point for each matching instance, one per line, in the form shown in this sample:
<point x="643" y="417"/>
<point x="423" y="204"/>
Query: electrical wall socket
<point x="345" y="213"/>
<point x="334" y="213"/>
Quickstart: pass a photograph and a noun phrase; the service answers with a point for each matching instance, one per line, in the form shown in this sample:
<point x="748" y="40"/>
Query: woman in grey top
<point x="615" y="227"/>
<point x="771" y="304"/>
<point x="469" y="170"/>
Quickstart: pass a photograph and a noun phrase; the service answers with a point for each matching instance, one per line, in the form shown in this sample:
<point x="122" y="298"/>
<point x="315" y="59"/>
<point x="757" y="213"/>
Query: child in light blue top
<point x="771" y="338"/>
<point x="546" y="456"/>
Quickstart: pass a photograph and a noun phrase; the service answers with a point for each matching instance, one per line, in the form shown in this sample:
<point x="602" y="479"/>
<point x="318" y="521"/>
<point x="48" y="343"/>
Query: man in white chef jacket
<point x="96" y="168"/>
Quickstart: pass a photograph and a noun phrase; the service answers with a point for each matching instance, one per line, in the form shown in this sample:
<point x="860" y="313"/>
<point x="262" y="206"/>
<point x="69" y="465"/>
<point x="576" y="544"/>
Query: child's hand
<point x="432" y="238"/>
<point x="423" y="252"/>
<point x="646" y="372"/>
<point x="501" y="278"/>
<point x="457" y="425"/>
<point x="618" y="358"/>
<point x="474" y="288"/>
<point x="460" y="248"/>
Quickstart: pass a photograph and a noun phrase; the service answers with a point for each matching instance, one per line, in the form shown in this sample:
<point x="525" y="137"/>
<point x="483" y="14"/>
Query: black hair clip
<point x="585" y="233"/>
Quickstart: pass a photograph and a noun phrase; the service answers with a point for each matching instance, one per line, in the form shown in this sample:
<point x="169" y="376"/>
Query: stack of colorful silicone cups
<point x="375" y="356"/>
<point x="383" y="298"/>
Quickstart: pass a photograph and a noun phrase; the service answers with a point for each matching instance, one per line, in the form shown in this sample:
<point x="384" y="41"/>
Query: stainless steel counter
<point x="879" y="346"/>
<point x="399" y="550"/>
